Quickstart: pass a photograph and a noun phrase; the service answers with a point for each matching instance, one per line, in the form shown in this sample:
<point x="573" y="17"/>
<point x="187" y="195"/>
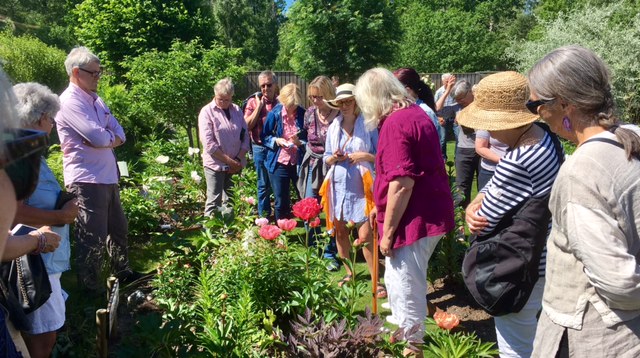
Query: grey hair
<point x="224" y="87"/>
<point x="78" y="57"/>
<point x="268" y="73"/>
<point x="578" y="76"/>
<point x="8" y="116"/>
<point x="377" y="91"/>
<point x="34" y="100"/>
<point x="461" y="89"/>
<point x="445" y="76"/>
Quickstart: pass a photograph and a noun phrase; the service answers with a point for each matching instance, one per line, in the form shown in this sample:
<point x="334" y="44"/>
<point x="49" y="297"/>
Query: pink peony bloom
<point x="446" y="320"/>
<point x="262" y="221"/>
<point x="269" y="232"/>
<point x="307" y="209"/>
<point x="287" y="224"/>
<point x="249" y="200"/>
<point x="315" y="222"/>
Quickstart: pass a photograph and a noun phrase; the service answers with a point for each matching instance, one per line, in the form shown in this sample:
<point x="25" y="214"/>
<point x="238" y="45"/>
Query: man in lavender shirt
<point x="224" y="135"/>
<point x="88" y="133"/>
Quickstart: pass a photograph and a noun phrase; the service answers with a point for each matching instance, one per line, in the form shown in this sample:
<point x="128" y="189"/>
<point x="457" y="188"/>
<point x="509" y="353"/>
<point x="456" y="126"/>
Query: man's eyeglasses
<point x="532" y="106"/>
<point x="267" y="85"/>
<point x="21" y="160"/>
<point x="95" y="74"/>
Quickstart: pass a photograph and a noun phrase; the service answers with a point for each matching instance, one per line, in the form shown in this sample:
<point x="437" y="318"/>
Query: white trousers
<point x="515" y="331"/>
<point x="406" y="279"/>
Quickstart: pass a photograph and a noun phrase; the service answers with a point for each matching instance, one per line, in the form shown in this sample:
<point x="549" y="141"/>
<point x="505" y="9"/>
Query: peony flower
<point x="162" y="159"/>
<point x="197" y="178"/>
<point x="262" y="221"/>
<point x="269" y="232"/>
<point x="307" y="209"/>
<point x="287" y="224"/>
<point x="359" y="242"/>
<point x="193" y="151"/>
<point x="350" y="225"/>
<point x="315" y="222"/>
<point x="446" y="320"/>
<point x="249" y="200"/>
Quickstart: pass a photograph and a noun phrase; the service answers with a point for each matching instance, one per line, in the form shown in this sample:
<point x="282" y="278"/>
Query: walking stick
<point x="374" y="278"/>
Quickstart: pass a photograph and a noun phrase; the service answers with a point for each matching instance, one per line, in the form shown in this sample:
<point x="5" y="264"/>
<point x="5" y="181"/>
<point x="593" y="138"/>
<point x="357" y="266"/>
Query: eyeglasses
<point x="21" y="160"/>
<point x="313" y="98"/>
<point x="267" y="85"/>
<point x="532" y="106"/>
<point x="95" y="74"/>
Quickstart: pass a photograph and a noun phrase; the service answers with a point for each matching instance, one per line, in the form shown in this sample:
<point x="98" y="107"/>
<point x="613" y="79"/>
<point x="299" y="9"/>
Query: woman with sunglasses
<point x="347" y="197"/>
<point x="284" y="136"/>
<point x="37" y="107"/>
<point x="312" y="169"/>
<point x="591" y="300"/>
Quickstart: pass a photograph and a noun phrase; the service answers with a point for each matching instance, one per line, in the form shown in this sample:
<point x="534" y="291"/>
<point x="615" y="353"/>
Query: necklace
<point x="522" y="135"/>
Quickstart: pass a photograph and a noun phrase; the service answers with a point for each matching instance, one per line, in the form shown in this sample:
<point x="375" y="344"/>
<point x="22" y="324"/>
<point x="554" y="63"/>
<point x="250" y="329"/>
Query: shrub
<point x="27" y="59"/>
<point x="610" y="31"/>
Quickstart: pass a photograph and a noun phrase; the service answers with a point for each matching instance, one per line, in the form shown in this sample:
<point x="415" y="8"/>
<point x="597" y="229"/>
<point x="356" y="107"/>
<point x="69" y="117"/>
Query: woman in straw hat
<point x="591" y="302"/>
<point x="347" y="188"/>
<point x="414" y="207"/>
<point x="527" y="170"/>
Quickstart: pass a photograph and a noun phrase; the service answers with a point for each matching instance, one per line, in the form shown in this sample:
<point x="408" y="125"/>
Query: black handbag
<point x="25" y="287"/>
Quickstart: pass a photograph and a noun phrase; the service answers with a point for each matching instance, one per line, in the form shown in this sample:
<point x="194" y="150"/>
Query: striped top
<point x="524" y="172"/>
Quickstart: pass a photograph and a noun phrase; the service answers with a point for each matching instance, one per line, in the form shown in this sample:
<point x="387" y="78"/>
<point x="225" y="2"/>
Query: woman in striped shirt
<point x="527" y="170"/>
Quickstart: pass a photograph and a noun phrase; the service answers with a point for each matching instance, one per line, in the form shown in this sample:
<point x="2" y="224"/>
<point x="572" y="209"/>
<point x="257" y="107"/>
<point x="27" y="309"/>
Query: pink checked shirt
<point x="87" y="130"/>
<point x="288" y="156"/>
<point x="217" y="132"/>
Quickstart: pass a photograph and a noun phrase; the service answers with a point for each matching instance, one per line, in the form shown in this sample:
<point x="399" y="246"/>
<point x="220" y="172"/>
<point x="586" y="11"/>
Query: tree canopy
<point x="343" y="38"/>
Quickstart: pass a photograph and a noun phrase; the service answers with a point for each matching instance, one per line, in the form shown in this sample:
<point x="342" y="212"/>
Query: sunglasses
<point x="21" y="161"/>
<point x="312" y="97"/>
<point x="268" y="85"/>
<point x="346" y="102"/>
<point x="532" y="106"/>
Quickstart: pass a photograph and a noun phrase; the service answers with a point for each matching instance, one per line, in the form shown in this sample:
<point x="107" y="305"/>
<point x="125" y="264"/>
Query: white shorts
<point x="50" y="316"/>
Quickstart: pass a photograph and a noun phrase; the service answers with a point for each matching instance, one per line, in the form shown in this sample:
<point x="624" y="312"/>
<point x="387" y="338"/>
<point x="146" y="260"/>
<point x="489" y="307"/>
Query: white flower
<point x="193" y="151"/>
<point x="197" y="178"/>
<point x="162" y="159"/>
<point x="248" y="239"/>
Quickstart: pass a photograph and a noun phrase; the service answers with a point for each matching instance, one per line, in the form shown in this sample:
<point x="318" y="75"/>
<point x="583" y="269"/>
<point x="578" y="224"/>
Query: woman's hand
<point x="337" y="157"/>
<point x="52" y="240"/>
<point x="373" y="215"/>
<point x="475" y="222"/>
<point x="281" y="142"/>
<point x="386" y="246"/>
<point x="69" y="211"/>
<point x="358" y="157"/>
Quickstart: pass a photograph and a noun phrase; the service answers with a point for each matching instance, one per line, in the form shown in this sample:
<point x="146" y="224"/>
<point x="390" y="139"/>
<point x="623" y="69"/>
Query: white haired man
<point x="88" y="135"/>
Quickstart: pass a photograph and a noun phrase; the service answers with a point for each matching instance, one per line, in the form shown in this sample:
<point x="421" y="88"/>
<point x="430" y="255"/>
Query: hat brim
<point x="493" y="120"/>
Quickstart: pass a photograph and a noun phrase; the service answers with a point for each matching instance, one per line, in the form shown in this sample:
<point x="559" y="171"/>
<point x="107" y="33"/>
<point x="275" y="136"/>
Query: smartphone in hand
<point x="22" y="229"/>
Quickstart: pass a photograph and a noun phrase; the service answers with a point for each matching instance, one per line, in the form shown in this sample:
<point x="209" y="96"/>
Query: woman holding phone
<point x="347" y="196"/>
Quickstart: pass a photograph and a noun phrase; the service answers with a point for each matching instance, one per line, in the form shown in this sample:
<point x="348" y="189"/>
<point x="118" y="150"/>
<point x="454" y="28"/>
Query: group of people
<point x="88" y="133"/>
<point x="371" y="153"/>
<point x="374" y="149"/>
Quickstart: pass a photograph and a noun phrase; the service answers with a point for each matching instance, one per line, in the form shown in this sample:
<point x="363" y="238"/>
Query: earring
<point x="566" y="124"/>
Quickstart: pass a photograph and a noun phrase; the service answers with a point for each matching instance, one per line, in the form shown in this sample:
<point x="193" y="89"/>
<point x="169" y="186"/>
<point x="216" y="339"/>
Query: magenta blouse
<point x="409" y="146"/>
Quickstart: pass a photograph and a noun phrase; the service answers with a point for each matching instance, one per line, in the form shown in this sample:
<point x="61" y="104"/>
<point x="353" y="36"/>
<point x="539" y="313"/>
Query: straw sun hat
<point x="499" y="103"/>
<point x="344" y="91"/>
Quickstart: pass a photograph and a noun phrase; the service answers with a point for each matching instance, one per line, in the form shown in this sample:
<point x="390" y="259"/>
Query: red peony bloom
<point x="315" y="222"/>
<point x="446" y="320"/>
<point x="269" y="232"/>
<point x="287" y="224"/>
<point x="307" y="209"/>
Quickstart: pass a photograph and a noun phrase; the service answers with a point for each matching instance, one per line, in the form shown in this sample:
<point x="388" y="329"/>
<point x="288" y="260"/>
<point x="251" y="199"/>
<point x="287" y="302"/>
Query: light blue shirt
<point x="348" y="191"/>
<point x="44" y="197"/>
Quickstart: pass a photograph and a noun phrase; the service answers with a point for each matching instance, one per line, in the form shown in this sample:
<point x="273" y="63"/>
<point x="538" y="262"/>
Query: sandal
<point x="381" y="291"/>
<point x="344" y="280"/>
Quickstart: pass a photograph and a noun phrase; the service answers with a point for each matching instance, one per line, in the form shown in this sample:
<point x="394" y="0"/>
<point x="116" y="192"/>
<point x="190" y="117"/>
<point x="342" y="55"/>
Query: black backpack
<point x="500" y="269"/>
<point x="243" y="106"/>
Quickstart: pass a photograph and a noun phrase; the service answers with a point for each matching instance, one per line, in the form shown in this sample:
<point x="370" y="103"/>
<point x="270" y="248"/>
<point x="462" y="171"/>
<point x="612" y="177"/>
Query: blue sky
<point x="289" y="2"/>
